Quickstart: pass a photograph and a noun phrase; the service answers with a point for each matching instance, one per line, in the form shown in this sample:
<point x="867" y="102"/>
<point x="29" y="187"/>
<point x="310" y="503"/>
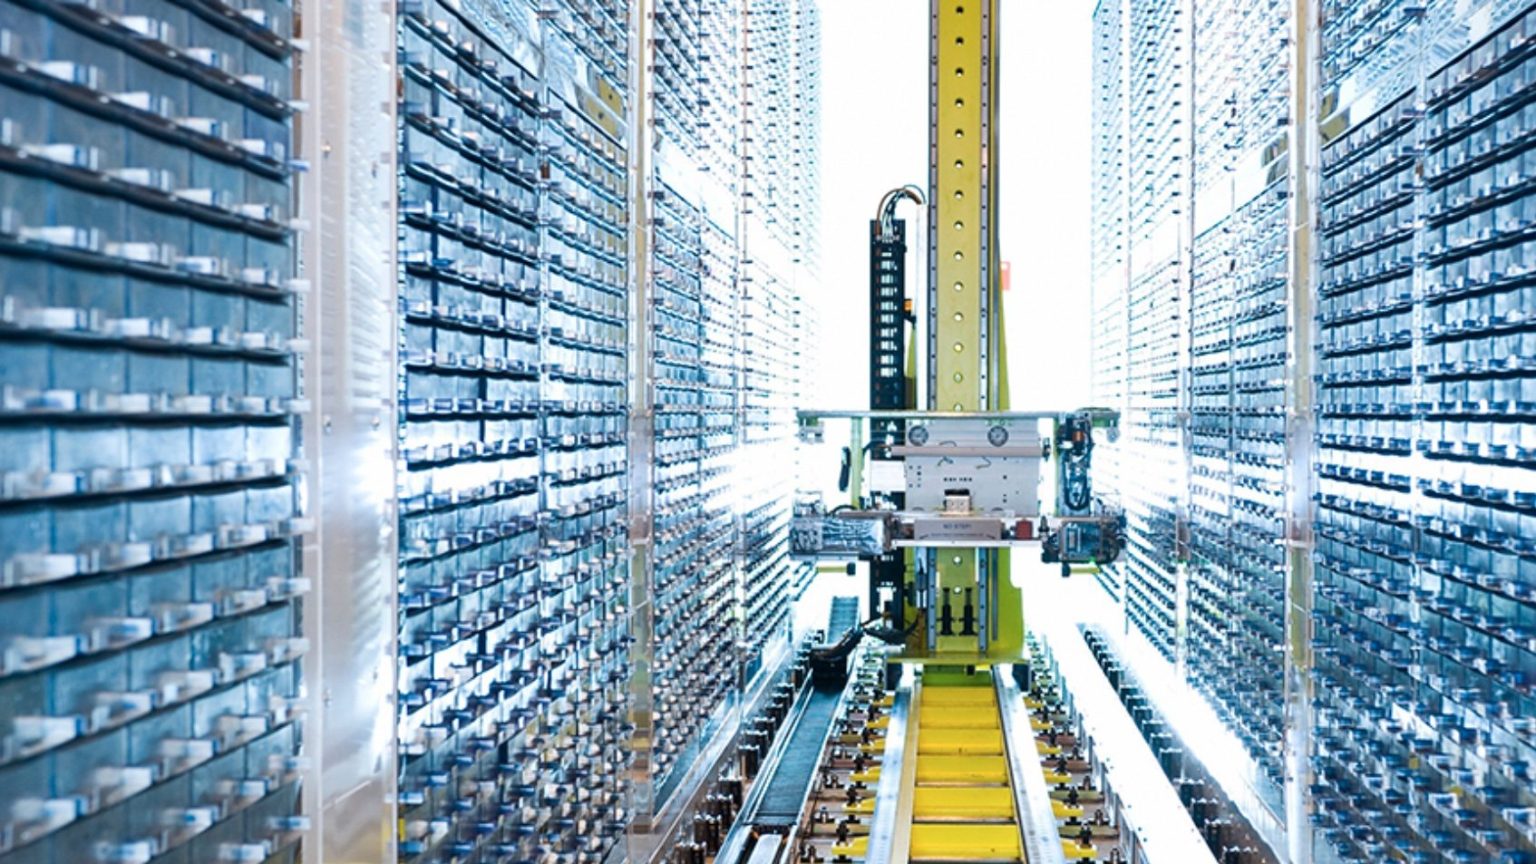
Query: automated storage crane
<point x="946" y="493"/>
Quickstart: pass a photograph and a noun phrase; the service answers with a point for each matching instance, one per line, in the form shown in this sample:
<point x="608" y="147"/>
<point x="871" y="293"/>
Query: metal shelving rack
<point x="1357" y="436"/>
<point x="320" y="353"/>
<point x="150" y="519"/>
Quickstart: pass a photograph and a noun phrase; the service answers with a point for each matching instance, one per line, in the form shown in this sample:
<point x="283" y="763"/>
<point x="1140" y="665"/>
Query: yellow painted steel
<point x="962" y="804"/>
<point x="1063" y="810"/>
<point x="948" y="693"/>
<point x="954" y="842"/>
<point x="1076" y="851"/>
<point x="856" y="464"/>
<point x="972" y="770"/>
<point x="862" y="807"/>
<point x="961" y="742"/>
<point x="954" y="717"/>
<point x="969" y="355"/>
<point x="1007" y="643"/>
<point x="855" y="849"/>
<point x="961" y="151"/>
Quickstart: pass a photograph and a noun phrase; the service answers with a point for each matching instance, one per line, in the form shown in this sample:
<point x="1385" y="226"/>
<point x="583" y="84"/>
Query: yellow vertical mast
<point x="964" y="309"/>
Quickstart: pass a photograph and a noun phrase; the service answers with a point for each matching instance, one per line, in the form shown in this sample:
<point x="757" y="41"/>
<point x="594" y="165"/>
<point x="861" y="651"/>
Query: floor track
<point x="962" y="798"/>
<point x="956" y="800"/>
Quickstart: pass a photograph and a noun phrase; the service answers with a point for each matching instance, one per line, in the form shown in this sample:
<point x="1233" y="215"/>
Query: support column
<point x="347" y="203"/>
<point x="641" y="452"/>
<point x="961" y="230"/>
<point x="1299" y="436"/>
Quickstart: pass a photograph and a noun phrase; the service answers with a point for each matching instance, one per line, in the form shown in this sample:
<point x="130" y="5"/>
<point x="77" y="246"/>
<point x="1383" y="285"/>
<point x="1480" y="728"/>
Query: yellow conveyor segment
<point x="961" y="742"/>
<point x="962" y="801"/>
<point x="962" y="770"/>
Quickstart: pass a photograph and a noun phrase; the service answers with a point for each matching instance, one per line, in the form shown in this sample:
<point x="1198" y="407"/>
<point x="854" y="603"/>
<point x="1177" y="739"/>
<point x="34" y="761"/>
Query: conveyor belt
<point x="975" y="770"/>
<point x="843" y="617"/>
<point x="783" y="798"/>
<point x="961" y="796"/>
<point x="947" y="786"/>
